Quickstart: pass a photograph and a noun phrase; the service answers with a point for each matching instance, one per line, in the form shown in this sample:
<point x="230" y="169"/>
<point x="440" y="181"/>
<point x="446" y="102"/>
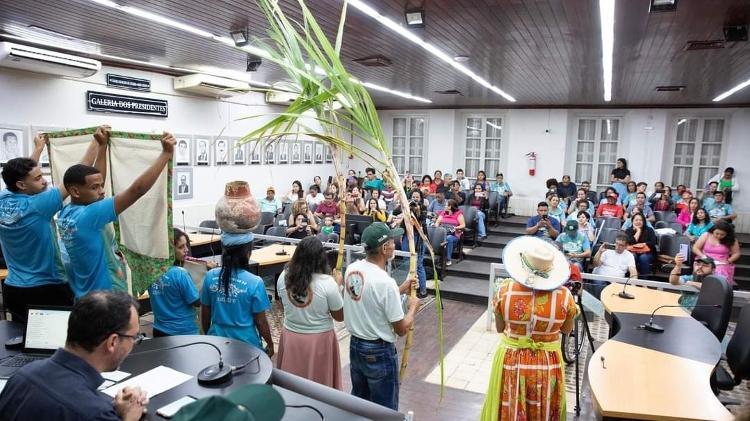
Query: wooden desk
<point x="652" y="376"/>
<point x="266" y="256"/>
<point x="198" y="239"/>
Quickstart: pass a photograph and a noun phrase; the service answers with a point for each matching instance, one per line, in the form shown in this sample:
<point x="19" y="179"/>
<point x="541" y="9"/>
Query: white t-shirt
<point x="371" y="302"/>
<point x="614" y="264"/>
<point x="314" y="200"/>
<point x="311" y="314"/>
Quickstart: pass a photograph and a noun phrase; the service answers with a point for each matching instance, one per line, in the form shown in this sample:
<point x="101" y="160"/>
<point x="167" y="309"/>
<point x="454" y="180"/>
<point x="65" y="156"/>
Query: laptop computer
<point x="46" y="330"/>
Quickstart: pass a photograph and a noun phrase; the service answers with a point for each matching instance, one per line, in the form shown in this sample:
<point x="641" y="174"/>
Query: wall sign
<point x="127" y="82"/>
<point x="110" y="103"/>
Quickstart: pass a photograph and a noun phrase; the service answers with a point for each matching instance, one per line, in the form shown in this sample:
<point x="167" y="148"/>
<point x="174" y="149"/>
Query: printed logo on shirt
<point x="236" y="287"/>
<point x="355" y="285"/>
<point x="11" y="211"/>
<point x="67" y="229"/>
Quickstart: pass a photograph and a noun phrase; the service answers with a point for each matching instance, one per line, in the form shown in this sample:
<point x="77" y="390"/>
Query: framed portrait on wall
<point x="329" y="155"/>
<point x="296" y="154"/>
<point x="239" y="152"/>
<point x="183" y="183"/>
<point x="270" y="152"/>
<point x="35" y="130"/>
<point x="12" y="141"/>
<point x="221" y="151"/>
<point x="202" y="151"/>
<point x="184" y="149"/>
<point x="254" y="149"/>
<point x="318" y="153"/>
<point x="283" y="147"/>
<point x="307" y="152"/>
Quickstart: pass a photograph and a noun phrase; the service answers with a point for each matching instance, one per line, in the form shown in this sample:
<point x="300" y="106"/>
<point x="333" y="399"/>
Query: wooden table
<point x="654" y="376"/>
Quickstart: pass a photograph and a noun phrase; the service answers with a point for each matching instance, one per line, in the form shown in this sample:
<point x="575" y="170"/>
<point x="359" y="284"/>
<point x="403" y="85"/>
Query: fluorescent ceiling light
<point x="394" y="92"/>
<point x="739" y="87"/>
<point x="404" y="32"/>
<point x="415" y="18"/>
<point x="682" y="120"/>
<point x="607" y="21"/>
<point x="239" y="38"/>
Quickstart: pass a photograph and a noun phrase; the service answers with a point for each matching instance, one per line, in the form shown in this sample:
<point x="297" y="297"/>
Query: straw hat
<point x="535" y="263"/>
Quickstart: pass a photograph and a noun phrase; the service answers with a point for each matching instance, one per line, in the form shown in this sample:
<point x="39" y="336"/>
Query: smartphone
<point x="168" y="411"/>
<point x="330" y="179"/>
<point x="683" y="251"/>
<point x="609" y="246"/>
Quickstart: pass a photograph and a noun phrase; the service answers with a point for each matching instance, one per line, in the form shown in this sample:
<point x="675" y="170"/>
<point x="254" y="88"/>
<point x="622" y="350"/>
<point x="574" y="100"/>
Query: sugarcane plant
<point x="340" y="106"/>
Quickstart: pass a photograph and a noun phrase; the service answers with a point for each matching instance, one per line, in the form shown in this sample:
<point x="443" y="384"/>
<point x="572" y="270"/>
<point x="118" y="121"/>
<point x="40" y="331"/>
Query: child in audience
<point x="328" y="227"/>
<point x="463" y="181"/>
<point x="174" y="296"/>
<point x="234" y="301"/>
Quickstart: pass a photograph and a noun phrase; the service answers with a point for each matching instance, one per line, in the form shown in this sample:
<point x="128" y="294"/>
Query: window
<point x="697" y="151"/>
<point x="483" y="136"/>
<point x="408" y="144"/>
<point x="596" y="150"/>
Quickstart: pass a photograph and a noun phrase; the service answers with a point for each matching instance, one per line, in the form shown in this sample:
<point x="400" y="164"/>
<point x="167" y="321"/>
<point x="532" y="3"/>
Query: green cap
<point x="252" y="402"/>
<point x="378" y="234"/>
<point x="571" y="225"/>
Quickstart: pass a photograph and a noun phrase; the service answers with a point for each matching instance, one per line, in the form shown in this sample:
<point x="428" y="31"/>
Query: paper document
<point x="115" y="376"/>
<point x="153" y="382"/>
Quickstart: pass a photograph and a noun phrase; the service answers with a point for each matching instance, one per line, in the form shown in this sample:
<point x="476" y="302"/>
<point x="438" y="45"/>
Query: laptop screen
<point x="46" y="329"/>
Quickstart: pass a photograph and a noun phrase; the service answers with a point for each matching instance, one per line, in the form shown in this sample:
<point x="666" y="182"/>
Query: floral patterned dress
<point x="527" y="373"/>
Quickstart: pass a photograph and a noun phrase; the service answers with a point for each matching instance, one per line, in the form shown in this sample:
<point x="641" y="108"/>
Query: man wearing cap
<point x="374" y="315"/>
<point x="270" y="203"/>
<point x="701" y="268"/>
<point x="610" y="209"/>
<point x="575" y="245"/>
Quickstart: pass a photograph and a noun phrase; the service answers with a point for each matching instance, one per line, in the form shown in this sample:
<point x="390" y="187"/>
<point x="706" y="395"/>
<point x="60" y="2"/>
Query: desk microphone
<point x="213" y="374"/>
<point x="184" y="228"/>
<point x="624" y="294"/>
<point x="653" y="327"/>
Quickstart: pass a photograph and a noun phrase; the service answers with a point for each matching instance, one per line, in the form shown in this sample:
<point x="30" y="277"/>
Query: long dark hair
<point x="233" y="258"/>
<point x="624" y="163"/>
<point x="725" y="226"/>
<point x="300" y="190"/>
<point x="695" y="216"/>
<point x="309" y="258"/>
<point x="177" y="234"/>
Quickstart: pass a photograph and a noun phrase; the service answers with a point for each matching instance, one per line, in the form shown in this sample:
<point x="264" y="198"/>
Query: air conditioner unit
<point x="37" y="60"/>
<point x="280" y="97"/>
<point x="208" y="85"/>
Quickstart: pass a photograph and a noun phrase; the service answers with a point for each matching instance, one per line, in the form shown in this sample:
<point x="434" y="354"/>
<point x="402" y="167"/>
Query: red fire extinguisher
<point x="532" y="163"/>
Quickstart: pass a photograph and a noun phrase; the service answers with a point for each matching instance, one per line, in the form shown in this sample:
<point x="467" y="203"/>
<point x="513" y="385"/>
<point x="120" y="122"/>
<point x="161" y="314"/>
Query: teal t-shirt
<point x="232" y="314"/>
<point x="376" y="184"/>
<point x="172" y="297"/>
<point x="27" y="236"/>
<point x="82" y="230"/>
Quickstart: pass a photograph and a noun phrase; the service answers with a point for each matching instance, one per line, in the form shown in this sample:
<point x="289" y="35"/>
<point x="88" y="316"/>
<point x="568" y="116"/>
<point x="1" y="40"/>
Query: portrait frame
<point x="319" y="154"/>
<point x="254" y="152"/>
<point x="183" y="159"/>
<point x="202" y="158"/>
<point x="269" y="153"/>
<point x="222" y="148"/>
<point x="283" y="152"/>
<point x="183" y="176"/>
<point x="296" y="157"/>
<point x="238" y="152"/>
<point x="307" y="152"/>
<point x="329" y="155"/>
<point x="20" y="136"/>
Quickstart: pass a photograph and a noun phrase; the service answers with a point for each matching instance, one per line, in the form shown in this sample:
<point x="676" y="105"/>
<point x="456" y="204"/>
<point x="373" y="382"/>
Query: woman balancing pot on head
<point x="527" y="372"/>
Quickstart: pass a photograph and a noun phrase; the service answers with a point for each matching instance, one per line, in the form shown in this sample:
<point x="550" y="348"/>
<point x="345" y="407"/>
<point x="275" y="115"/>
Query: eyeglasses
<point x="137" y="338"/>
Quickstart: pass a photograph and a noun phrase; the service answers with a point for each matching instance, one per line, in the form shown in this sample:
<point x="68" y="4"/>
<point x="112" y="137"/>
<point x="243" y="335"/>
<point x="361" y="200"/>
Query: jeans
<point x="452" y="241"/>
<point x="481" y="231"/>
<point x="502" y="205"/>
<point x="419" y="248"/>
<point x="374" y="370"/>
<point x="643" y="264"/>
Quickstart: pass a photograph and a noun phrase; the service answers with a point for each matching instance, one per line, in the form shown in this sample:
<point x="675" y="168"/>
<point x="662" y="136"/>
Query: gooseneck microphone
<point x="213" y="374"/>
<point x="653" y="327"/>
<point x="624" y="294"/>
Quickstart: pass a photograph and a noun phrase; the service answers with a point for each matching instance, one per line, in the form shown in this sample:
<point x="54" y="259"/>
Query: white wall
<point x="28" y="99"/>
<point x="647" y="141"/>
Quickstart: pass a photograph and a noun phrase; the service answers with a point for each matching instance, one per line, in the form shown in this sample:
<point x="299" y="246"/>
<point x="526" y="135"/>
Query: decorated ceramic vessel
<point x="237" y="211"/>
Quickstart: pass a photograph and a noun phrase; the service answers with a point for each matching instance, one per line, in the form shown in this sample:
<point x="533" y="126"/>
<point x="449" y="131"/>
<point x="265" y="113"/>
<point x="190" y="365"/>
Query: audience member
<point x="642" y="243"/>
<point x="620" y="176"/>
<point x="447" y="180"/>
<point x="707" y="199"/>
<point x="396" y="220"/>
<point x="551" y="184"/>
<point x="463" y="182"/>
<point x="311" y="300"/>
<point x="314" y="197"/>
<point x="233" y="300"/>
<point x="482" y="179"/>
<point x="663" y="200"/>
<point x="374" y="315"/>
<point x="328" y="207"/>
<point x="372" y="182"/>
<point x="351" y="178"/>
<point x="591" y="196"/>
<point x="456" y="194"/>
<point x="613" y="260"/>
<point x="574" y="207"/>
<point x="479" y="201"/>
<point x="388" y="195"/>
<point x="574" y="244"/>
<point x="452" y="219"/>
<point x="299" y="207"/>
<point x="702" y="267"/>
<point x="688" y="212"/>
<point x="541" y="225"/>
<point x="102" y="330"/>
<point x="720" y="244"/>
<point x="629" y="197"/>
<point x="295" y="193"/>
<point x="585" y="225"/>
<point x="96" y="262"/>
<point x="427" y="186"/>
<point x="721" y="211"/>
<point x="301" y="227"/>
<point x="503" y="194"/>
<point x="328" y="228"/>
<point x="438" y="204"/>
<point x="374" y="211"/>
<point x="726" y="183"/>
<point x="643" y="208"/>
<point x="270" y="203"/>
<point x="377" y="195"/>
<point x="677" y="194"/>
<point x="566" y="189"/>
<point x="355" y="204"/>
<point x="610" y="209"/>
<point x="556" y="208"/>
<point x="699" y="225"/>
<point x="174" y="296"/>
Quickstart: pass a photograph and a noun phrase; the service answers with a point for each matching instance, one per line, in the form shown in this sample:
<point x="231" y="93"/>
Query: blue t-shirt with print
<point x="542" y="232"/>
<point x="172" y="297"/>
<point x="80" y="228"/>
<point x="720" y="211"/>
<point x="232" y="315"/>
<point x="576" y="244"/>
<point x="28" y="238"/>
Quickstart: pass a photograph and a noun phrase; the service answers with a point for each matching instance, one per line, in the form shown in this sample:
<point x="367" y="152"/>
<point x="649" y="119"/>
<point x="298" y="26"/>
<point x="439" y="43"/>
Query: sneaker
<point x="482" y="237"/>
<point x="448" y="263"/>
<point x="421" y="295"/>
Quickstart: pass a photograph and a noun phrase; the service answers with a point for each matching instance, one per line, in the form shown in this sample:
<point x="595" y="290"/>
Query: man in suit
<point x="202" y="152"/>
<point x="184" y="187"/>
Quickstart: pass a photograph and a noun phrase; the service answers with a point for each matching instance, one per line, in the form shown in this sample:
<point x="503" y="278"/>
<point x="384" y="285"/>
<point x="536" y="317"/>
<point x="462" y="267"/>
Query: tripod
<point x="572" y="344"/>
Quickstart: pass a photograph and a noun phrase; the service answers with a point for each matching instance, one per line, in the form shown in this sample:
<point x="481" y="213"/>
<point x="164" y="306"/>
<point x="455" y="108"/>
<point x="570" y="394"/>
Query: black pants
<point x="17" y="300"/>
<point x="159" y="334"/>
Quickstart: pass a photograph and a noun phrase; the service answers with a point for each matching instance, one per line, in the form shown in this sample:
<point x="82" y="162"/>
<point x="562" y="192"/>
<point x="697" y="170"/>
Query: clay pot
<point x="237" y="211"/>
